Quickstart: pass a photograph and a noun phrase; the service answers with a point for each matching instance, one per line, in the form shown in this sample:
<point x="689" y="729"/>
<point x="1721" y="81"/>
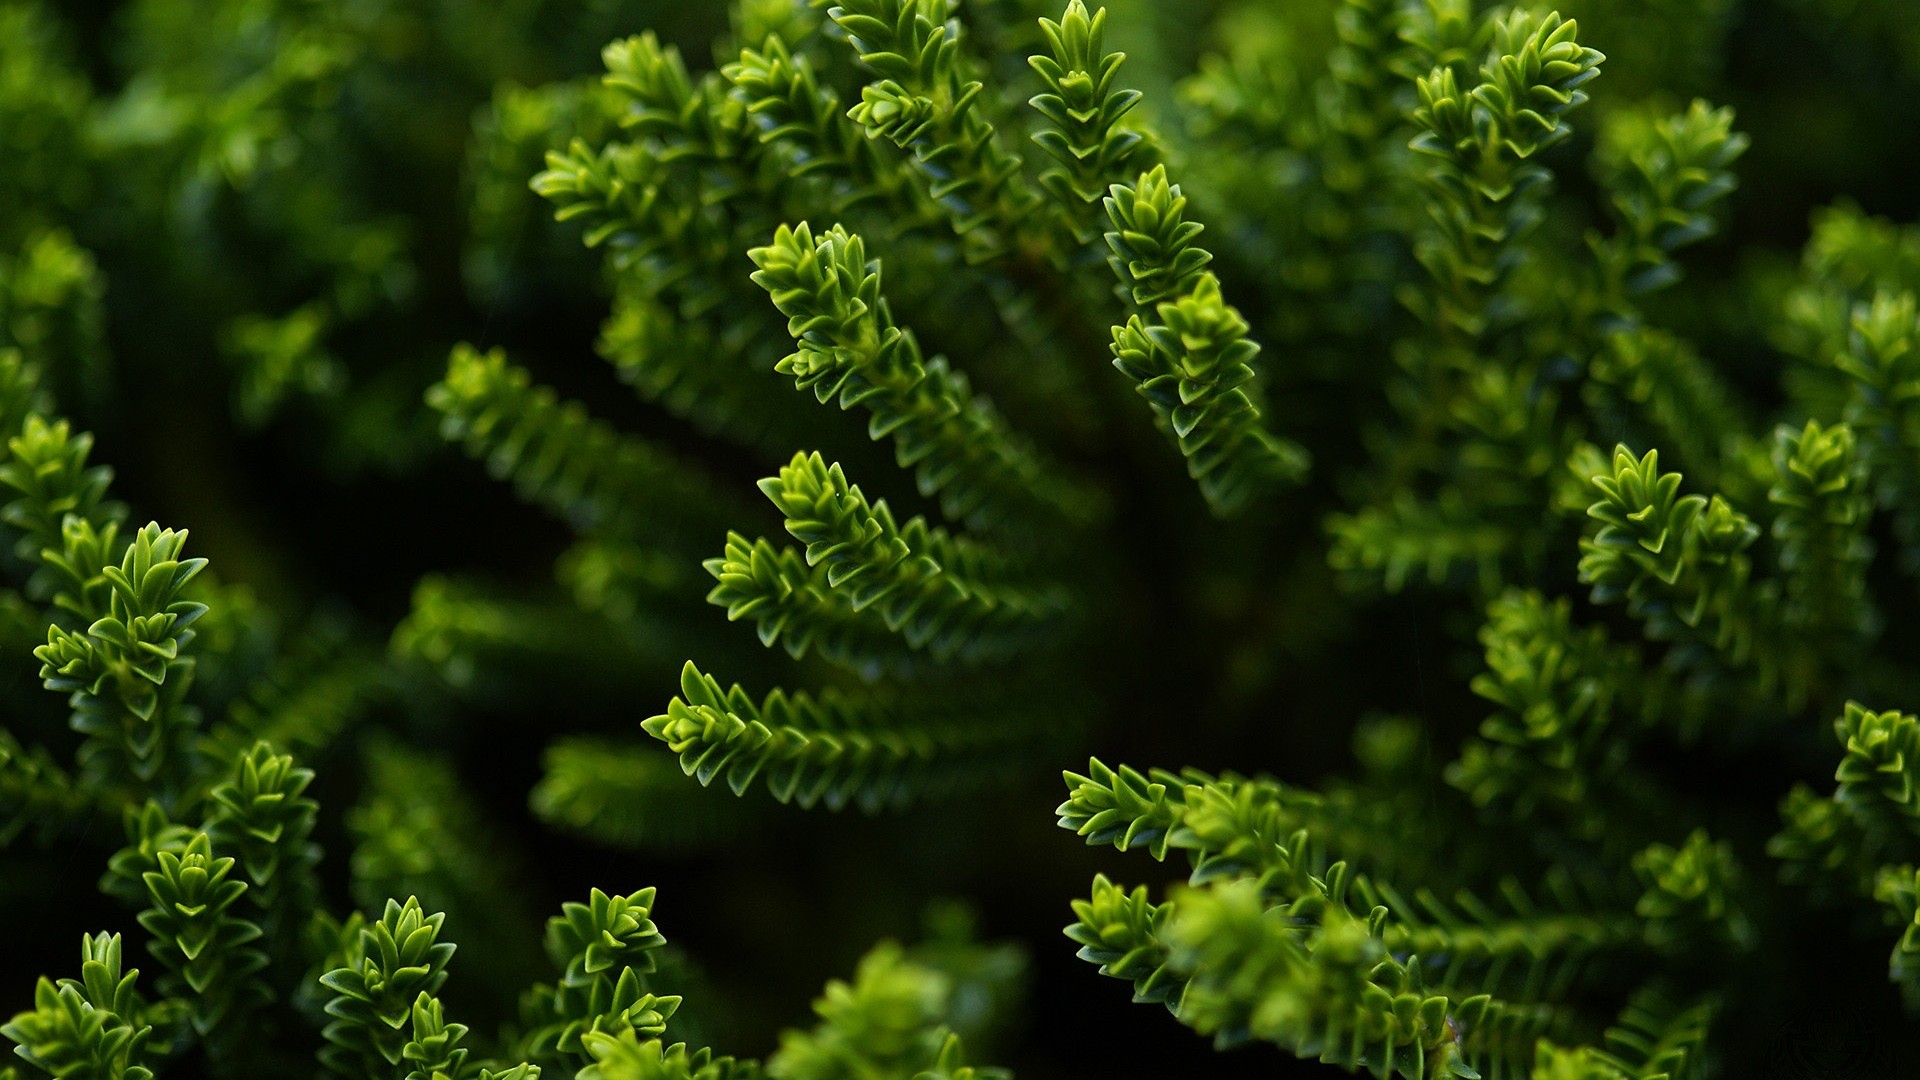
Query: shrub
<point x="1540" y="516"/>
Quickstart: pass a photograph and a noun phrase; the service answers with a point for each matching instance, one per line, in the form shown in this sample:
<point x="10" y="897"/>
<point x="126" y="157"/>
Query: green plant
<point x="1508" y="518"/>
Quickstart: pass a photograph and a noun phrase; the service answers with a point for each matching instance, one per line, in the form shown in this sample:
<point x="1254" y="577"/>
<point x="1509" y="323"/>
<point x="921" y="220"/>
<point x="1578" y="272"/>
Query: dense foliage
<point x="1464" y="460"/>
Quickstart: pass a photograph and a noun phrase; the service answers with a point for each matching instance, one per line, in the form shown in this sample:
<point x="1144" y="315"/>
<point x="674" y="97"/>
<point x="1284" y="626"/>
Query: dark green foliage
<point x="1336" y="995"/>
<point x="281" y="359"/>
<point x="434" y="1051"/>
<point x="1187" y="348"/>
<point x="831" y="749"/>
<point x="1664" y="377"/>
<point x="556" y="456"/>
<point x="1191" y="365"/>
<point x="1539" y="512"/>
<point x="792" y="604"/>
<point x="1680" y="564"/>
<point x="87" y="1027"/>
<point x="1121" y="808"/>
<point x="1652" y="1039"/>
<point x="1273" y="940"/>
<point x="1853" y="841"/>
<point x="627" y="1057"/>
<point x="1559" y="690"/>
<point x="1154" y="255"/>
<point x="1665" y="174"/>
<point x="1688" y="892"/>
<point x="630" y="796"/>
<point x="207" y="948"/>
<point x="1880" y="358"/>
<point x="261" y="817"/>
<point x="806" y="120"/>
<point x="939" y="591"/>
<point x="1484" y="135"/>
<point x="891" y="1020"/>
<point x="116" y="672"/>
<point x="386" y="966"/>
<point x="1084" y="109"/>
<point x="1821" y="529"/>
<point x="1407" y="541"/>
<point x="47" y="467"/>
<point x="35" y="793"/>
<point x="852" y="353"/>
<point x="1122" y="932"/>
<point x="602" y="948"/>
<point x="926" y="100"/>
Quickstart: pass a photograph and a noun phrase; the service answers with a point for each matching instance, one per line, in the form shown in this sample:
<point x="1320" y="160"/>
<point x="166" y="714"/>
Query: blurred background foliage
<point x="244" y="234"/>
